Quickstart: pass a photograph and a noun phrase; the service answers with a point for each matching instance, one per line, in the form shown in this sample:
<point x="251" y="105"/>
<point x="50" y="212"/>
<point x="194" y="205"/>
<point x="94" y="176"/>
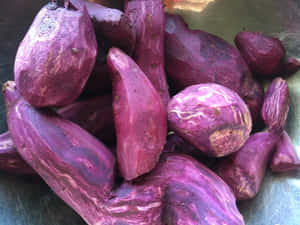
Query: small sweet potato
<point x="292" y="65"/>
<point x="244" y="170"/>
<point x="139" y="114"/>
<point x="285" y="157"/>
<point x="95" y="115"/>
<point x="211" y="117"/>
<point x="195" y="56"/>
<point x="193" y="193"/>
<point x="10" y="160"/>
<point x="148" y="18"/>
<point x="276" y="105"/>
<point x="56" y="56"/>
<point x="263" y="54"/>
<point x="77" y="167"/>
<point x="113" y="25"/>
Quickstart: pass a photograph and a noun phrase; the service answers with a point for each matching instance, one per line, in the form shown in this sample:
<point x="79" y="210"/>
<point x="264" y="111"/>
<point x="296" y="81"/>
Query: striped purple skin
<point x="78" y="168"/>
<point x="195" y="57"/>
<point x="10" y="160"/>
<point x="193" y="194"/>
<point x="113" y="25"/>
<point x="148" y="18"/>
<point x="134" y="204"/>
<point x="211" y="117"/>
<point x="94" y="114"/>
<point x="285" y="158"/>
<point x="276" y="105"/>
<point x="244" y="170"/>
<point x="56" y="57"/>
<point x="263" y="54"/>
<point x="139" y="114"/>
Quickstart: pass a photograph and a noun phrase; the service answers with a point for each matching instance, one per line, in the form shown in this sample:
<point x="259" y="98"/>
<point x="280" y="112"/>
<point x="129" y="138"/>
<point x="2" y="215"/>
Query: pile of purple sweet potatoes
<point x="91" y="113"/>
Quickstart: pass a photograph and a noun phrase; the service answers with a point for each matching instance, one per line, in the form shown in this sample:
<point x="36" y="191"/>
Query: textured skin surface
<point x="113" y="25"/>
<point x="56" y="57"/>
<point x="10" y="160"/>
<point x="149" y="20"/>
<point x="77" y="167"/>
<point x="137" y="204"/>
<point x="285" y="158"/>
<point x="291" y="66"/>
<point x="193" y="193"/>
<point x="139" y="114"/>
<point x="244" y="170"/>
<point x="176" y="144"/>
<point x="263" y="54"/>
<point x="95" y="115"/>
<point x="211" y="117"/>
<point x="194" y="56"/>
<point x="276" y="105"/>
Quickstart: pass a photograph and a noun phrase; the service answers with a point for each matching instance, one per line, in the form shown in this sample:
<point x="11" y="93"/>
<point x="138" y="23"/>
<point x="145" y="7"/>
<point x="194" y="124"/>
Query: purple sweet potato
<point x="276" y="105"/>
<point x="292" y="65"/>
<point x="244" y="170"/>
<point x="56" y="56"/>
<point x="77" y="167"/>
<point x="211" y="117"/>
<point x="149" y="20"/>
<point x="193" y="193"/>
<point x="139" y="114"/>
<point x="285" y="158"/>
<point x="113" y="25"/>
<point x="263" y="54"/>
<point x="10" y="160"/>
<point x="95" y="115"/>
<point x="194" y="57"/>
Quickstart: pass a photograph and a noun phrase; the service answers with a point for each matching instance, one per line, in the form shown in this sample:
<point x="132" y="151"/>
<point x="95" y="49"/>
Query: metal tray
<point x="28" y="200"/>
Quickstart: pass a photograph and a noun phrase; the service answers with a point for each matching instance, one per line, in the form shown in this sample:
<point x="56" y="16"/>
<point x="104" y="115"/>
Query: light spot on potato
<point x="226" y="140"/>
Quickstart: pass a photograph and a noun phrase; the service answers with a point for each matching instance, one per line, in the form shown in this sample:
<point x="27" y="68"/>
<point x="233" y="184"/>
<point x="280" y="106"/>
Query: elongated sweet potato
<point x="276" y="105"/>
<point x="211" y="117"/>
<point x="193" y="193"/>
<point x="285" y="157"/>
<point x="113" y="25"/>
<point x="77" y="167"/>
<point x="10" y="160"/>
<point x="56" y="56"/>
<point x="148" y="19"/>
<point x="139" y="114"/>
<point x="244" y="170"/>
<point x="263" y="54"/>
<point x="194" y="56"/>
<point x="94" y="114"/>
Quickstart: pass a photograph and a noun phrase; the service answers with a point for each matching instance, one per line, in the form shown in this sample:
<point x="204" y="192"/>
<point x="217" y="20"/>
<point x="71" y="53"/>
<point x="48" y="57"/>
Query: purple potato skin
<point x="10" y="160"/>
<point x="194" y="57"/>
<point x="56" y="57"/>
<point x="139" y="114"/>
<point x="94" y="114"/>
<point x="134" y="204"/>
<point x="263" y="54"/>
<point x="285" y="157"/>
<point x="76" y="166"/>
<point x="176" y="144"/>
<point x="211" y="117"/>
<point x="276" y="105"/>
<point x="291" y="66"/>
<point x="193" y="193"/>
<point x="244" y="170"/>
<point x="113" y="25"/>
<point x="148" y="18"/>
